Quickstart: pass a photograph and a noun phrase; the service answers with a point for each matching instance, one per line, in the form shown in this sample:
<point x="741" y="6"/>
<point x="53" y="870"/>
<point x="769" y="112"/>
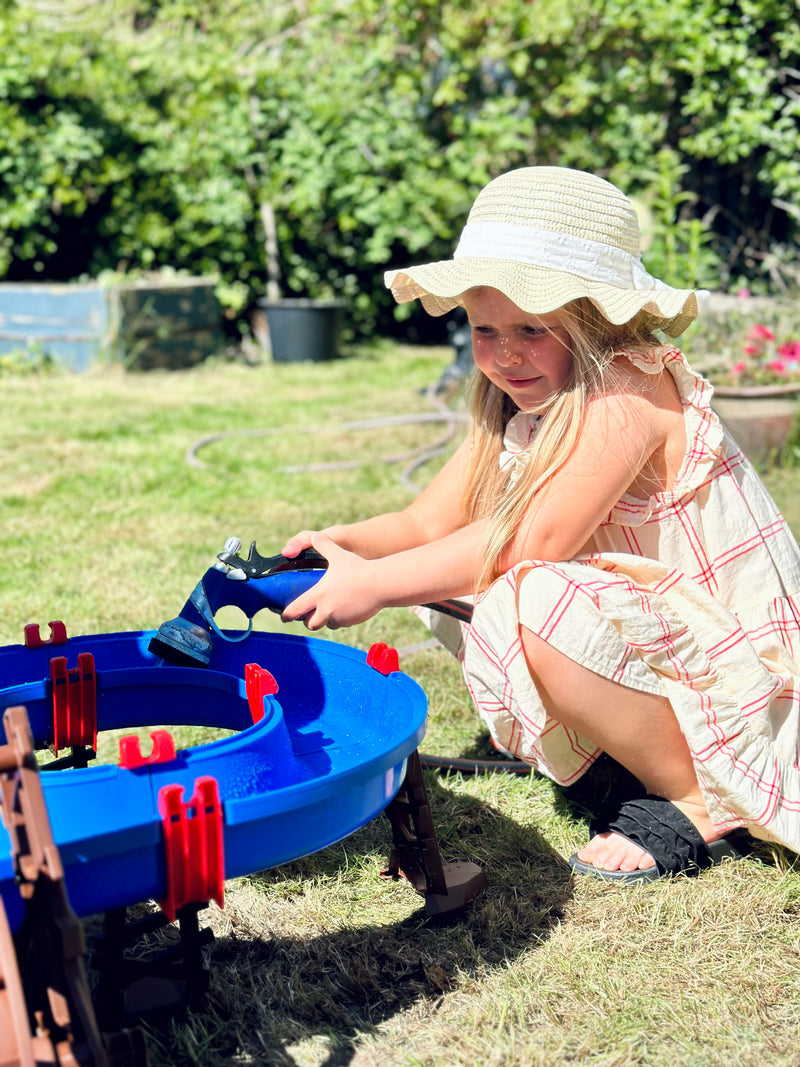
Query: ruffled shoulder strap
<point x="649" y="359"/>
<point x="704" y="433"/>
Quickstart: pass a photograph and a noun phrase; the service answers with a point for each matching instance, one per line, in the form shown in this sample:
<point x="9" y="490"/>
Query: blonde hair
<point x="593" y="342"/>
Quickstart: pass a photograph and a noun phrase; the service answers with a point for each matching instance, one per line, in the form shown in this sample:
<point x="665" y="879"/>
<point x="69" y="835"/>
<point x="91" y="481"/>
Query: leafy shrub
<point x="138" y="135"/>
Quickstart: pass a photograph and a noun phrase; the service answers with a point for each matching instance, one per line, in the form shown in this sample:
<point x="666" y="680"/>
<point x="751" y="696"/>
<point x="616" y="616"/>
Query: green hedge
<point x="138" y="134"/>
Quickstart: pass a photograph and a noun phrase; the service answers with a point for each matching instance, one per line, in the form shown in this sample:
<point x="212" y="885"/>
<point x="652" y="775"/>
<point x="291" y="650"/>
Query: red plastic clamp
<point x="258" y="683"/>
<point x="130" y="750"/>
<point x="34" y="639"/>
<point x="74" y="702"/>
<point x="381" y="657"/>
<point x="194" y="845"/>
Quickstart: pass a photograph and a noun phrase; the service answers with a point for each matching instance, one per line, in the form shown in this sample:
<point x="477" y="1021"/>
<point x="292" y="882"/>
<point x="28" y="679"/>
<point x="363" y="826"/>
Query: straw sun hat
<point x="545" y="236"/>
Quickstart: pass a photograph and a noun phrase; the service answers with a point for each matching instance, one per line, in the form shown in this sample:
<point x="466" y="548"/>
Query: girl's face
<point x="524" y="355"/>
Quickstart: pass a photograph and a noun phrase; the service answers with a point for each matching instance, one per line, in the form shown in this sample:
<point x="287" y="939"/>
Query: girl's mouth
<point x="522" y="383"/>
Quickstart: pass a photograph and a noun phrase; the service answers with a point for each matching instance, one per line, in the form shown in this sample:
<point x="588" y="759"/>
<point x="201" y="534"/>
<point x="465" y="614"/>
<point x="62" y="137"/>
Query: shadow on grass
<point x="273" y="999"/>
<point x="595" y="797"/>
<point x="598" y="794"/>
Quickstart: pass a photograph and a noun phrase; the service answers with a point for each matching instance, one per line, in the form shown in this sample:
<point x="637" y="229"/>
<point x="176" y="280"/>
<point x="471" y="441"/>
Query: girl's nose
<point x="507" y="353"/>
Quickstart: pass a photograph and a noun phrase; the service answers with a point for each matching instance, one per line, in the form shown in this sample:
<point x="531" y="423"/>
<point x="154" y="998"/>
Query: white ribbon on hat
<point x="536" y="247"/>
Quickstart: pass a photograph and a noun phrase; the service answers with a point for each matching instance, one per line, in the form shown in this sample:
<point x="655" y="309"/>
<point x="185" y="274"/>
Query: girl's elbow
<point x="546" y="549"/>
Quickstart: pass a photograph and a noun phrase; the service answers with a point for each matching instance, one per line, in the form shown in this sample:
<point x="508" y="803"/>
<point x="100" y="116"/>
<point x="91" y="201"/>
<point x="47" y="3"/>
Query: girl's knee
<point x="546" y="663"/>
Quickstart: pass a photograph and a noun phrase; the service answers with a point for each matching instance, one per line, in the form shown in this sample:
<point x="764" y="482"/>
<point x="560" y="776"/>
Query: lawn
<point x="117" y="491"/>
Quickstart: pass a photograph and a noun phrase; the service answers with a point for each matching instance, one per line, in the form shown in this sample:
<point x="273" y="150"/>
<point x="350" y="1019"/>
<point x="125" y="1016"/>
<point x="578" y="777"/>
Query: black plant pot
<point x="301" y="329"/>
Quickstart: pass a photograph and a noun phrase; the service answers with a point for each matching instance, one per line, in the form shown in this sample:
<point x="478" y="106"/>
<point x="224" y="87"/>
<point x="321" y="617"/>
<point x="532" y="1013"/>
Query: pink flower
<point x="766" y="361"/>
<point x="743" y="294"/>
<point x="759" y="332"/>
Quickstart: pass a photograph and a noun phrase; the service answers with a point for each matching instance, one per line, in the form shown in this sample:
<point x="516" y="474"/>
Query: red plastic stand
<point x="194" y="845"/>
<point x="34" y="639"/>
<point x="74" y="702"/>
<point x="383" y="658"/>
<point x="258" y="683"/>
<point x="130" y="750"/>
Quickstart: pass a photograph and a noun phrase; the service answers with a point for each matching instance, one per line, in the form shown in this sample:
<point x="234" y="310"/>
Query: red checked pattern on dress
<point x="693" y="594"/>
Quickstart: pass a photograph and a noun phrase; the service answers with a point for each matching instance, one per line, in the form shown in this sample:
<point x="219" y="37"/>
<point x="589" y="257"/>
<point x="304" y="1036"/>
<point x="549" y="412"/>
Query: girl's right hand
<point x="344" y="596"/>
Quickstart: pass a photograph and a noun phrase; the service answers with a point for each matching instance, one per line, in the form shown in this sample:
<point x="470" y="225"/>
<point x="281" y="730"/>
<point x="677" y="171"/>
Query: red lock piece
<point x="194" y="845"/>
<point x="130" y="750"/>
<point x="74" y="702"/>
<point x="383" y="658"/>
<point x="34" y="639"/>
<point x="258" y="683"/>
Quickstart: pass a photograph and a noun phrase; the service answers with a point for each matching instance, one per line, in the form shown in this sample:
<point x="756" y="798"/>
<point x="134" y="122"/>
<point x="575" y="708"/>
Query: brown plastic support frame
<point x="46" y="1011"/>
<point x="153" y="984"/>
<point x="448" y="888"/>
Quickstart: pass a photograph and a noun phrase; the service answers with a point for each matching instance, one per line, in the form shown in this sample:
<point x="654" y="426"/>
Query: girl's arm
<point x="353" y="589"/>
<point x="622" y="431"/>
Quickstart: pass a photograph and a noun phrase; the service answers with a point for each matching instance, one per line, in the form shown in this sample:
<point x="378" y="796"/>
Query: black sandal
<point x="662" y="830"/>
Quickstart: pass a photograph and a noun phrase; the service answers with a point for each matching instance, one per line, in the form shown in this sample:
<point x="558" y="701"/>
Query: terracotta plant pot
<point x="760" y="417"/>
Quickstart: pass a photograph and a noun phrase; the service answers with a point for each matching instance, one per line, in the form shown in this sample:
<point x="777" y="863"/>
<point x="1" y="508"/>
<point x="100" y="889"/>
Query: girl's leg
<point x="638" y="730"/>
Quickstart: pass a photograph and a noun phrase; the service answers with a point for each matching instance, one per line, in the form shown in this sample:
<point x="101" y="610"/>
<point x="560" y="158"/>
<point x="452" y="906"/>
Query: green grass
<point x="106" y="526"/>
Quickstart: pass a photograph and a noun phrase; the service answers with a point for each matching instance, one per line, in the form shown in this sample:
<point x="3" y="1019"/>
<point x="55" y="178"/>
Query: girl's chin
<point x="534" y="402"/>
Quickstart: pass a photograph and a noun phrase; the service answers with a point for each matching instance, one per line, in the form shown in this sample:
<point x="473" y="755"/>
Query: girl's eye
<point x="533" y="331"/>
<point x="483" y="331"/>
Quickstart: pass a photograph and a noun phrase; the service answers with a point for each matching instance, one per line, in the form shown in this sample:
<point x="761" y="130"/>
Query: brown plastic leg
<point x="15" y="1032"/>
<point x="42" y="965"/>
<point x="163" y="982"/>
<point x="447" y="887"/>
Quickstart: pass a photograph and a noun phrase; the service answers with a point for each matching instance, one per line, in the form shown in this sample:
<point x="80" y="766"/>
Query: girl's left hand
<point x="343" y="596"/>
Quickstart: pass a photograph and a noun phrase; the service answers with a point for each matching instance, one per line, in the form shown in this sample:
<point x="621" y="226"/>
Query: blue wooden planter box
<point x="143" y="325"/>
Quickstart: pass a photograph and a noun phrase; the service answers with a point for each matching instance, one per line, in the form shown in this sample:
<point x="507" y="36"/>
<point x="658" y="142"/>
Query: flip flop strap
<point x="661" y="829"/>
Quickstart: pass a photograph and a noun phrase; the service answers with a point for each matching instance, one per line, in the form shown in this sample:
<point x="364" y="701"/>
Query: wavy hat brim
<point x="440" y="287"/>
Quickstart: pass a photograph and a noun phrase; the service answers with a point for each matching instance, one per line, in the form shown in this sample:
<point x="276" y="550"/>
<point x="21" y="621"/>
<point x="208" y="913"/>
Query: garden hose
<point x="414" y="458"/>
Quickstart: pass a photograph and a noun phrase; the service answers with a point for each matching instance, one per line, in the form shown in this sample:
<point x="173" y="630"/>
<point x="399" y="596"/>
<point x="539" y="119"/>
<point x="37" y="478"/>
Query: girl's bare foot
<point x="611" y="852"/>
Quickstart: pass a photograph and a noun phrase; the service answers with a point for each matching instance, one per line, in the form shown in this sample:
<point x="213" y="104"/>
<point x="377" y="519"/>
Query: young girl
<point x="636" y="589"/>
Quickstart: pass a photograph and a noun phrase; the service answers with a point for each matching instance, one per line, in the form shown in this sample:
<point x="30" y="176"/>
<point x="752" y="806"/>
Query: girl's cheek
<point x="481" y="348"/>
